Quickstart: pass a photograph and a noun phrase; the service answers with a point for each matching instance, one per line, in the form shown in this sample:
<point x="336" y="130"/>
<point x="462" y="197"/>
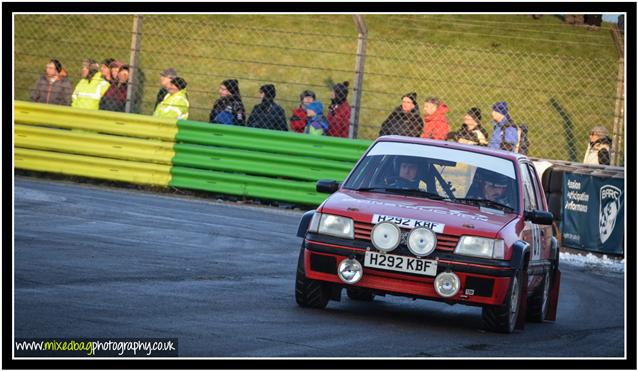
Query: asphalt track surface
<point x="103" y="262"/>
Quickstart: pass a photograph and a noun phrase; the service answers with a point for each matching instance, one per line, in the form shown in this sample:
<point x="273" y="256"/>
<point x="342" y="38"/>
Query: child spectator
<point x="339" y="111"/>
<point x="228" y="109"/>
<point x="175" y="104"/>
<point x="316" y="124"/>
<point x="505" y="134"/>
<point x="435" y="125"/>
<point x="115" y="98"/>
<point x="471" y="131"/>
<point x="298" y="119"/>
<point x="404" y="120"/>
<point x="268" y="114"/>
<point x="53" y="87"/>
<point x="91" y="88"/>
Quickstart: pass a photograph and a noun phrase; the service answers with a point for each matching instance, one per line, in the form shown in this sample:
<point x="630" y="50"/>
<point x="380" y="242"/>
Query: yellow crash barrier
<point x="93" y="167"/>
<point x="93" y="144"/>
<point x="140" y="126"/>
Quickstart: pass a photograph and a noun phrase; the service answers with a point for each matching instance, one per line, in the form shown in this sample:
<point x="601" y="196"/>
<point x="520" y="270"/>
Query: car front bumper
<point x="483" y="281"/>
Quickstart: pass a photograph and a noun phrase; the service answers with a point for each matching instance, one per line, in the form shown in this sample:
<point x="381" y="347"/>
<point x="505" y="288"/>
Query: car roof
<point x="453" y="145"/>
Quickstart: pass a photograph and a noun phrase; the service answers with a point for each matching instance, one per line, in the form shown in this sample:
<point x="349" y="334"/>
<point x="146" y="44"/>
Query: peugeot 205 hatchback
<point x="434" y="220"/>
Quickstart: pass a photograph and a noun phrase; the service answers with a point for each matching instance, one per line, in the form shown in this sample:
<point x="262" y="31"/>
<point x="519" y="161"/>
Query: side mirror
<point x="327" y="186"/>
<point x="539" y="217"/>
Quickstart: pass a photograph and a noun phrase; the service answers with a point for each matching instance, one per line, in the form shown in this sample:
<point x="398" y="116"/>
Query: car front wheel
<point x="503" y="318"/>
<point x="309" y="293"/>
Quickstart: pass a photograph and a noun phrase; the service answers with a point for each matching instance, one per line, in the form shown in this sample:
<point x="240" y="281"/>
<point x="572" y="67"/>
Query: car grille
<point x="444" y="242"/>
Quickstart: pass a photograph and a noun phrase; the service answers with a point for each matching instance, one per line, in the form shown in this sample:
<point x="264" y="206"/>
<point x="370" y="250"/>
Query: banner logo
<point x="609" y="207"/>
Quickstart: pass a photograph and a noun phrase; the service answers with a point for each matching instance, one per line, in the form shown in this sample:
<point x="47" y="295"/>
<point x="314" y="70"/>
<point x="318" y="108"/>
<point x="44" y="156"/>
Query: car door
<point x="545" y="231"/>
<point x="531" y="232"/>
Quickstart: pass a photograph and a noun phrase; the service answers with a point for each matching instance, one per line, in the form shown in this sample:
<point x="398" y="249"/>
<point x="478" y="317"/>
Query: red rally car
<point x="434" y="220"/>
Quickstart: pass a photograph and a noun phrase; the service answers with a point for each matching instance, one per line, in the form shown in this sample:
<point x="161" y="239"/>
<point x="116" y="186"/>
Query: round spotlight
<point x="350" y="271"/>
<point x="421" y="241"/>
<point x="447" y="284"/>
<point x="386" y="236"/>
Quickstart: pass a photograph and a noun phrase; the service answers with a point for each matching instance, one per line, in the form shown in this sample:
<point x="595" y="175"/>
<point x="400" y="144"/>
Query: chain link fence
<point x="559" y="98"/>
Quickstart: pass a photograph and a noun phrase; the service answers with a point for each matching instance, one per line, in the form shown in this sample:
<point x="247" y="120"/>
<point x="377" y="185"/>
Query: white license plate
<point x="400" y="263"/>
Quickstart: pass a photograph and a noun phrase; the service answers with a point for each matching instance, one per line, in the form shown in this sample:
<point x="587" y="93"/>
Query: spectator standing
<point x="114" y="69"/>
<point x="471" y="131"/>
<point x="599" y="147"/>
<point x="404" y="120"/>
<point x="115" y="98"/>
<point x="316" y="123"/>
<point x="53" y="87"/>
<point x="268" y="114"/>
<point x="505" y="134"/>
<point x="299" y="118"/>
<point x="165" y="79"/>
<point x="105" y="69"/>
<point x="228" y="109"/>
<point x="91" y="88"/>
<point x="435" y="124"/>
<point x="175" y="104"/>
<point x="339" y="112"/>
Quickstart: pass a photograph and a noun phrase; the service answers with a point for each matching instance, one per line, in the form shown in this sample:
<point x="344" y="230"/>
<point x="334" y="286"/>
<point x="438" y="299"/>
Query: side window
<point x="528" y="189"/>
<point x="537" y="188"/>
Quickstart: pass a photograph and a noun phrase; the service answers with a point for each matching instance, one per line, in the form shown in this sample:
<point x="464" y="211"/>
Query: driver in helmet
<point x="496" y="189"/>
<point x="408" y="168"/>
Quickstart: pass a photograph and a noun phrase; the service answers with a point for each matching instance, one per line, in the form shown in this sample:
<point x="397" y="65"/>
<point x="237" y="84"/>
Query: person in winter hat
<point x="229" y="108"/>
<point x="599" y="147"/>
<point x="435" y="124"/>
<point x="471" y="131"/>
<point x="339" y="111"/>
<point x="175" y="105"/>
<point x="316" y="124"/>
<point x="268" y="114"/>
<point x="404" y="119"/>
<point x="299" y="117"/>
<point x="505" y="133"/>
<point x="53" y="87"/>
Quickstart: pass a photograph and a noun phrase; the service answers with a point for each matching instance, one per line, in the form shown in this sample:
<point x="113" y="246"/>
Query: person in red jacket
<point x="339" y="112"/>
<point x="299" y="117"/>
<point x="435" y="122"/>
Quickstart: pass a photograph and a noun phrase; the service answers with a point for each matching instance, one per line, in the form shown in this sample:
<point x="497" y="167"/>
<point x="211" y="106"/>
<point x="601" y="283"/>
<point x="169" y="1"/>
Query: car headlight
<point x="386" y="236"/>
<point x="421" y="241"/>
<point x="481" y="247"/>
<point x="334" y="225"/>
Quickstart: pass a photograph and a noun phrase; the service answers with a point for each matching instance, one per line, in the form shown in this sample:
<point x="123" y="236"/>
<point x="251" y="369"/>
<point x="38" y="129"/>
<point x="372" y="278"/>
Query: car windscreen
<point x="437" y="172"/>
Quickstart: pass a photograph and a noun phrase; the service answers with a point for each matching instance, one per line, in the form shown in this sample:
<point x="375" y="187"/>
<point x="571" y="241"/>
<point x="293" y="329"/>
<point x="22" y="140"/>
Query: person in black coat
<point x="268" y="114"/>
<point x="404" y="120"/>
<point x="228" y="109"/>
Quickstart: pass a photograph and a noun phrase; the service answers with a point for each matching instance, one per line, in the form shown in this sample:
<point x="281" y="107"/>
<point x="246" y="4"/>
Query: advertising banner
<point x="593" y="210"/>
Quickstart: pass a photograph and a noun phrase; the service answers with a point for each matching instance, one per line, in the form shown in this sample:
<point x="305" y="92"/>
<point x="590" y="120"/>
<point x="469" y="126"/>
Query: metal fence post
<point x="362" y="30"/>
<point x="136" y="39"/>
<point x="618" y="114"/>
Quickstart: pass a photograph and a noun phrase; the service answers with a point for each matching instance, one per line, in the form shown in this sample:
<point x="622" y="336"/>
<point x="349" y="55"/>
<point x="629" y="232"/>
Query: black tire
<point x="503" y="318"/>
<point x="310" y="293"/>
<point x="360" y="294"/>
<point x="538" y="302"/>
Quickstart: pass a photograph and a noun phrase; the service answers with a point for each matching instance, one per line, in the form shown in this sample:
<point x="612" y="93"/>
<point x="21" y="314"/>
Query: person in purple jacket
<point x="505" y="134"/>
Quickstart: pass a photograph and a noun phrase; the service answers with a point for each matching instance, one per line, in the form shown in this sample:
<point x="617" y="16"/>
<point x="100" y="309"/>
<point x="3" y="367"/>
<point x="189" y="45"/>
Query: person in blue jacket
<point x="505" y="134"/>
<point x="316" y="123"/>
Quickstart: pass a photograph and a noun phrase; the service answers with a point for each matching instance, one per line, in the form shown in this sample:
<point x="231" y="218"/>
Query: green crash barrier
<point x="246" y="185"/>
<point x="259" y="163"/>
<point x="271" y="141"/>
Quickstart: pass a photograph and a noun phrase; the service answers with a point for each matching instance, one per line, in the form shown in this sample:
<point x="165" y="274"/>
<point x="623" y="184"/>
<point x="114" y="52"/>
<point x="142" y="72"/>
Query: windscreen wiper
<point x="484" y="202"/>
<point x="402" y="191"/>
